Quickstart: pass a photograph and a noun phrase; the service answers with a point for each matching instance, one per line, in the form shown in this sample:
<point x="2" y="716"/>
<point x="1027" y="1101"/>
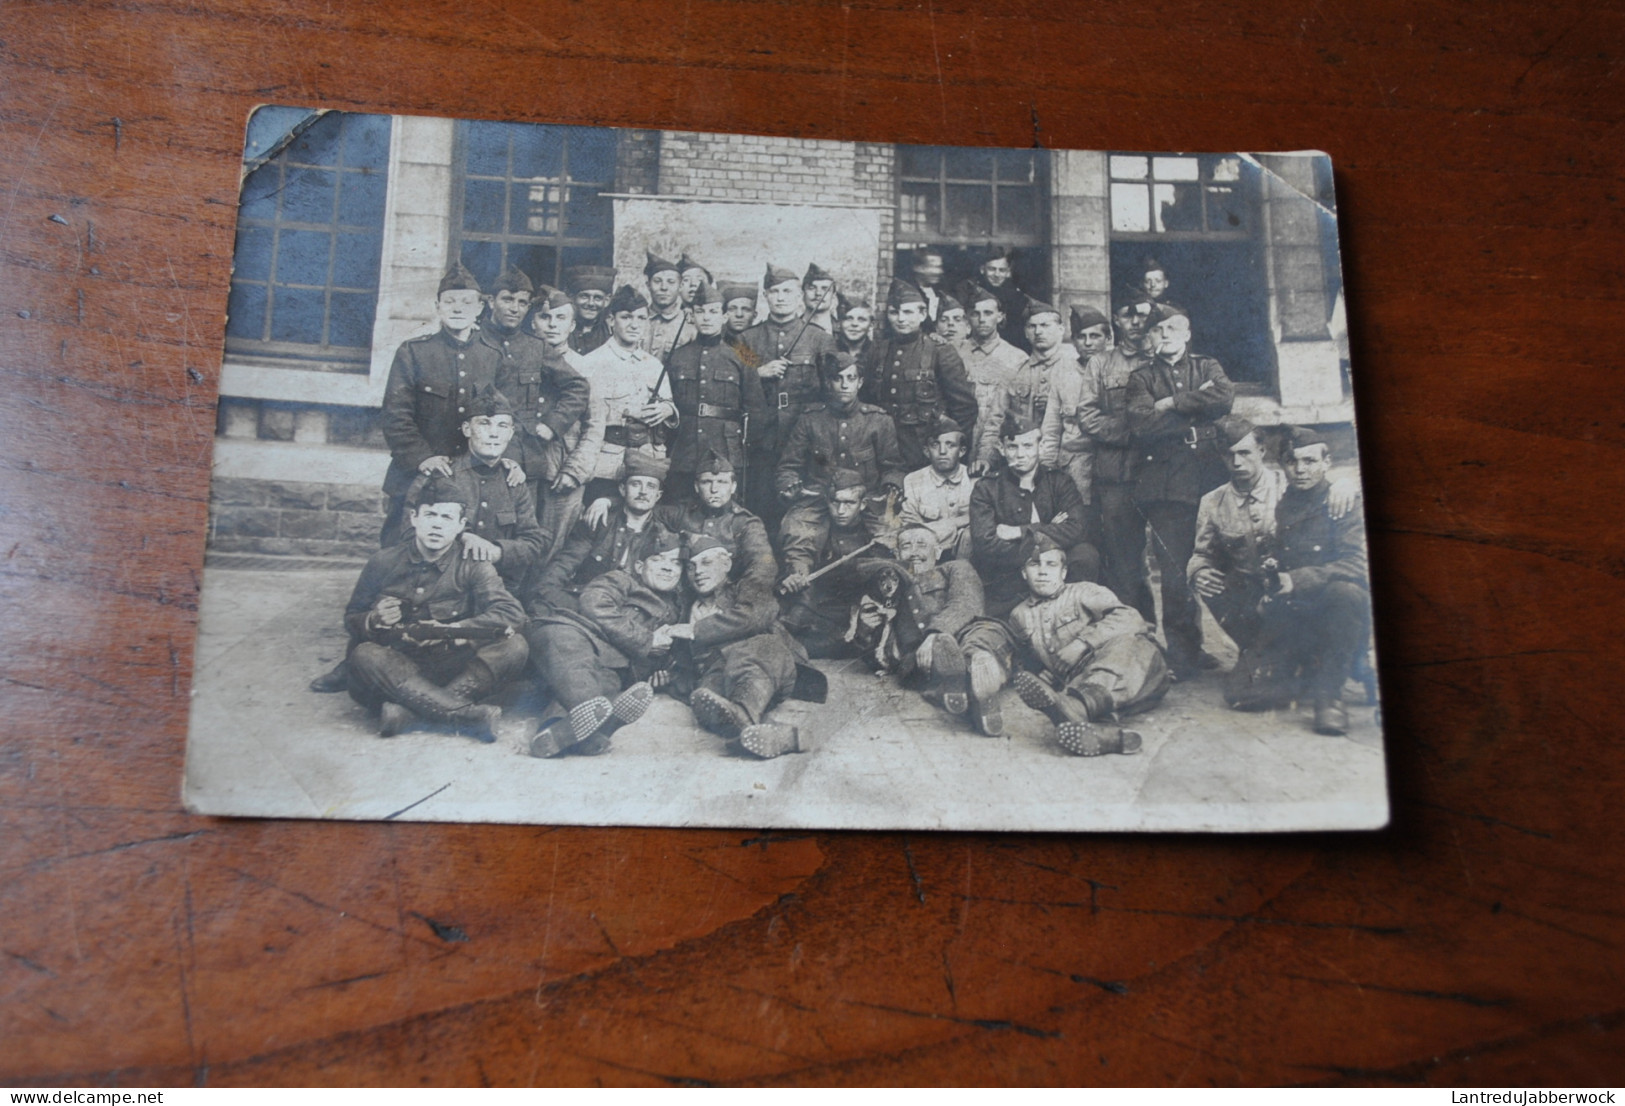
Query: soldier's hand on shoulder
<point x="544" y="431"/>
<point x="564" y="482"/>
<point x="1341" y="497"/>
<point x="476" y="548"/>
<point x="598" y="513"/>
<point x="516" y="472"/>
<point x="436" y="464"/>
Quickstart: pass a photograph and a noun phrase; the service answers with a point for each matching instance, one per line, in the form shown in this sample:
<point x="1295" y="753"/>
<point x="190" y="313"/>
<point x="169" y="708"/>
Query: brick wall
<point x="750" y="167"/>
<point x="294" y="518"/>
<point x="875" y="182"/>
<point x="637" y="162"/>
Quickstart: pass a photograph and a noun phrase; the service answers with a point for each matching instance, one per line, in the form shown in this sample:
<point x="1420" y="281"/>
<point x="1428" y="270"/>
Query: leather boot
<point x="393" y="719"/>
<point x="1091" y="741"/>
<point x="1059" y="708"/>
<point x="435" y="703"/>
<point x="948" y="674"/>
<point x="719" y="715"/>
<point x="986" y="681"/>
<point x="1331" y="718"/>
<point x="334" y="679"/>
<point x="770" y="739"/>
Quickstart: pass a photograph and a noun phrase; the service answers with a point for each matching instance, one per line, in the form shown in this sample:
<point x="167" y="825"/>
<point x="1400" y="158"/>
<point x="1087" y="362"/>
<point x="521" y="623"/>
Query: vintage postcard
<point x="580" y="475"/>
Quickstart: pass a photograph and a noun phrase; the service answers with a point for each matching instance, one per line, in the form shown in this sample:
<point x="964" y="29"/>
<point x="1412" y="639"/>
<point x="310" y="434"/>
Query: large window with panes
<point x="304" y="285"/>
<point x="962" y="200"/>
<point x="531" y="196"/>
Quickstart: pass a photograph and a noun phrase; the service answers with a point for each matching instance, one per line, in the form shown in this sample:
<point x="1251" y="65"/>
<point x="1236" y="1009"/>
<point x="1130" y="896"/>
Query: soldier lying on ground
<point x="961" y="657"/>
<point x="600" y="661"/>
<point x="616" y="542"/>
<point x="1097" y="655"/>
<point x="432" y="631"/>
<point x="734" y="657"/>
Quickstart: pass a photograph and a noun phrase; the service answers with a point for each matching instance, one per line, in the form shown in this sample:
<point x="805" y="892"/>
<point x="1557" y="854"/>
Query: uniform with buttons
<point x="714" y="393"/>
<point x="862" y="438"/>
<point x="502" y="515"/>
<point x="544" y="391"/>
<point x="916" y="381"/>
<point x="1093" y="645"/>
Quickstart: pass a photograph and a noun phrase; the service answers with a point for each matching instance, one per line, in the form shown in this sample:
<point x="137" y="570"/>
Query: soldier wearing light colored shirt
<point x="1026" y="394"/>
<point x="625" y="412"/>
<point x="937" y="497"/>
<point x="990" y="361"/>
<point x="669" y="325"/>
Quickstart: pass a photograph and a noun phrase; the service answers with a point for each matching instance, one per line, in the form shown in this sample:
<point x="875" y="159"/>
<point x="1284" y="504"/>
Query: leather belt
<point x="628" y="436"/>
<point x="708" y="411"/>
<point x="1196" y="435"/>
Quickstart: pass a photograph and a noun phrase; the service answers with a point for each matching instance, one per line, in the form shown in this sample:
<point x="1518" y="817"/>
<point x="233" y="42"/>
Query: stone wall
<point x="294" y="518"/>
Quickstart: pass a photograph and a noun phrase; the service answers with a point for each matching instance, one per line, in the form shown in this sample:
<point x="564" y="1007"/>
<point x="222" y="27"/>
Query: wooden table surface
<point x="1478" y="149"/>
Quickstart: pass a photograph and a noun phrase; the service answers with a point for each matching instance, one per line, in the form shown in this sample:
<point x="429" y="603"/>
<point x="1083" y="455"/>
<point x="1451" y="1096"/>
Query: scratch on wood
<point x="913" y="872"/>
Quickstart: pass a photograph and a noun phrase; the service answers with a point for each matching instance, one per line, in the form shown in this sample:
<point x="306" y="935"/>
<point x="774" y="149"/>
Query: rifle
<point x="833" y="565"/>
<point x="411" y="630"/>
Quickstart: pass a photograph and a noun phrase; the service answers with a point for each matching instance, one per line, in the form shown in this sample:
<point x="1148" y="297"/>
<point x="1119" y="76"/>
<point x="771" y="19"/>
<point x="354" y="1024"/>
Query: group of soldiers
<point x="621" y="491"/>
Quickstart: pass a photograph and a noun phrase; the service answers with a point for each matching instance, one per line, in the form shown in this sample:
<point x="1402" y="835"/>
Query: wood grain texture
<point x="1478" y="149"/>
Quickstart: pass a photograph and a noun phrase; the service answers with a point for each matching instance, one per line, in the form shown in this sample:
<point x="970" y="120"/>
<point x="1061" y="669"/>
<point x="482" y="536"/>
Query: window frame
<point x="908" y="238"/>
<point x="1250" y="197"/>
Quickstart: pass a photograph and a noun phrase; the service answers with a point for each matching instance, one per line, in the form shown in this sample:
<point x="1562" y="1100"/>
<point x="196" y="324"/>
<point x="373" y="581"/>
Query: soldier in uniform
<point x="990" y="361"/>
<point x="996" y="276"/>
<point x="844" y="434"/>
<point x="926" y="269"/>
<point x="555" y="463"/>
<point x="818" y="611"/>
<point x="601" y="662"/>
<point x="1086" y="433"/>
<point x="716" y="514"/>
<point x="818" y="297"/>
<point x="855" y="334"/>
<point x="1027" y="391"/>
<point x="668" y="326"/>
<point x="1098" y="656"/>
<point x="788" y="354"/>
<point x="501" y="526"/>
<point x="426" y="397"/>
<point x="952" y="326"/>
<point x="690" y="275"/>
<point x="589" y="287"/>
<point x="963" y="656"/>
<point x="404" y="662"/>
<point x="739" y="305"/>
<point x="718" y="399"/>
<point x="616" y="542"/>
<point x="630" y="407"/>
<point x="937" y="497"/>
<point x="1174" y="400"/>
<point x="734" y="657"/>
<point x="914" y="380"/>
<point x="1021" y="498"/>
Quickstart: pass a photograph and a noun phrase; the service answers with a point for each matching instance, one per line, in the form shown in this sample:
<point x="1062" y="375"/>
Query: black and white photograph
<point x="581" y="475"/>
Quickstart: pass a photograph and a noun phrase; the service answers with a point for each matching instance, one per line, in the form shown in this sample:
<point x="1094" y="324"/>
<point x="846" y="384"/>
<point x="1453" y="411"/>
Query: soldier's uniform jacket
<point x="586" y="339"/>
<point x="946" y="598"/>
<point x="916" y="381"/>
<point x="624" y="613"/>
<point x="730" y="616"/>
<point x="426" y="399"/>
<point x="500" y="514"/>
<point x="1012" y="301"/>
<point x="664" y="336"/>
<point x="585" y="555"/>
<point x="1235" y="530"/>
<point x="544" y="390"/>
<point x="939" y="503"/>
<point x="811" y="547"/>
<point x="742" y="532"/>
<point x="999" y="499"/>
<point x="1314" y="547"/>
<point x="800" y="389"/>
<point x="1026" y="393"/>
<point x="861" y="438"/>
<point x="713" y="391"/>
<point x="1088" y="413"/>
<point x="452" y="589"/>
<point x="621" y="380"/>
<point x="1064" y="630"/>
<point x="852" y="353"/>
<point x="1177" y="455"/>
<point x="990" y="365"/>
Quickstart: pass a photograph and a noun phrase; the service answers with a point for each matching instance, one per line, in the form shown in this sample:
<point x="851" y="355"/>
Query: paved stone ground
<point x="879" y="755"/>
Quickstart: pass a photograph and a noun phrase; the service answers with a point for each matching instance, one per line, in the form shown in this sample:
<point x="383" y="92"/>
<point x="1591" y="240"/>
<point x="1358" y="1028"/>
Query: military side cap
<point x="590" y="278"/>
<point x="979" y="294"/>
<point x="816" y="272"/>
<point x="1149" y="264"/>
<point x="1036" y="308"/>
<point x="949" y="304"/>
<point x="1037" y="544"/>
<point x="657" y="264"/>
<point x="733" y="290"/>
<point x="714" y="463"/>
<point x="903" y="292"/>
<point x="637" y="462"/>
<point x="777" y="275"/>
<point x="1016" y="424"/>
<point x="707" y="293"/>
<point x="695" y="544"/>
<point x="513" y="280"/>
<point x="1302" y="437"/>
<point x="945" y="425"/>
<point x="626" y="298"/>
<point x="1232" y="429"/>
<point x="1166" y="311"/>
<point x="660" y="540"/>
<point x="845" y="478"/>
<point x="845" y="303"/>
<point x="549" y="297"/>
<point x="1132" y="299"/>
<point x="1085" y="317"/>
<point x="458" y="279"/>
<point x="685" y="263"/>
<point x="490" y="403"/>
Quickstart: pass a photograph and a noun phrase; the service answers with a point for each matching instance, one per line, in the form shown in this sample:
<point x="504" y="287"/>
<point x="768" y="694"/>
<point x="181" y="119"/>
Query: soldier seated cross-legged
<point x="432" y="632"/>
<point x="602" y="661"/>
<point x="1098" y="657"/>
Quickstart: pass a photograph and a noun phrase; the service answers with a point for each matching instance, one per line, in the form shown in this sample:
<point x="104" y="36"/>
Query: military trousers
<point x="1002" y="591"/>
<point x="755" y="673"/>
<point x="575" y="663"/>
<point x="1125" y="675"/>
<point x="1122" y="547"/>
<point x="1173" y="540"/>
<point x="377" y="671"/>
<point x="986" y="635"/>
<point x="557" y="512"/>
<point x="1306" y="646"/>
